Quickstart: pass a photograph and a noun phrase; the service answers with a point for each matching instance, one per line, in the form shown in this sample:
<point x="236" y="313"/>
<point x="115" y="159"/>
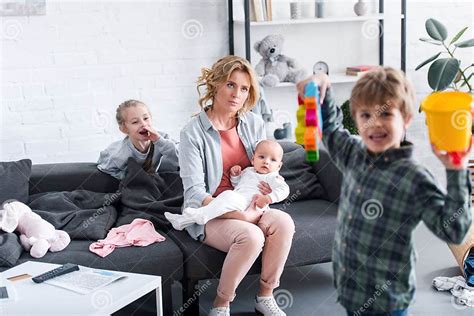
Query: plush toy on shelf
<point x="36" y="235"/>
<point x="309" y="130"/>
<point x="274" y="66"/>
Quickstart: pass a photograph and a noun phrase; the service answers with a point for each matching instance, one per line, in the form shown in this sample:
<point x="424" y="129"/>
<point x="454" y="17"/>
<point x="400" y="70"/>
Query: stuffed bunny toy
<point x="36" y="235"/>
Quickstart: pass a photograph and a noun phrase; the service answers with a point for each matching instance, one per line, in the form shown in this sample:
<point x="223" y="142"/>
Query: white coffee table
<point x="44" y="299"/>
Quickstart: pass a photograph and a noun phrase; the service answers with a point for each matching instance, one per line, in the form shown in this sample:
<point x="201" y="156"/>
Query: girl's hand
<point x="447" y="161"/>
<point x="322" y="80"/>
<point x="152" y="134"/>
<point x="264" y="188"/>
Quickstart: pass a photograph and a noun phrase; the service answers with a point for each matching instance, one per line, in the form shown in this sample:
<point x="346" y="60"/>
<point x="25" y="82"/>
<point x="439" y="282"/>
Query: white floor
<point x="309" y="290"/>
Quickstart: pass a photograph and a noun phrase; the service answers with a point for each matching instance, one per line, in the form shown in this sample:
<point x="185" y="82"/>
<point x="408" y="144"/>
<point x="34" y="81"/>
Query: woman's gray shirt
<point x="200" y="158"/>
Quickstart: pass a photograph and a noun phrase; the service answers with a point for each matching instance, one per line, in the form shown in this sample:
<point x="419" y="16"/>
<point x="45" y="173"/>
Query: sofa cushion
<point x="10" y="249"/>
<point x="69" y="177"/>
<point x="315" y="223"/>
<point x="299" y="174"/>
<point x="164" y="258"/>
<point x="15" y="176"/>
<point x="329" y="176"/>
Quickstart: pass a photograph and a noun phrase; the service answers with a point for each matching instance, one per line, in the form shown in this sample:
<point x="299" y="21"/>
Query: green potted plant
<point x="347" y="120"/>
<point x="448" y="113"/>
<point x="446" y="72"/>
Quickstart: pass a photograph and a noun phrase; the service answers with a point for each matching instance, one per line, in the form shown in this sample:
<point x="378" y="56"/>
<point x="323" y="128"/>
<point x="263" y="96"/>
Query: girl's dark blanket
<point x="149" y="195"/>
<point x="82" y="214"/>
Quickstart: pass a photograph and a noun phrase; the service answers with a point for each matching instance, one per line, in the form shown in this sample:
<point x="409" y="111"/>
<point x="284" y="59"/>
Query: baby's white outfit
<point x="239" y="199"/>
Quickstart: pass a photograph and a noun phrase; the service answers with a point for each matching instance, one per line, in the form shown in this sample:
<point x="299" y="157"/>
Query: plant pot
<point x="449" y="120"/>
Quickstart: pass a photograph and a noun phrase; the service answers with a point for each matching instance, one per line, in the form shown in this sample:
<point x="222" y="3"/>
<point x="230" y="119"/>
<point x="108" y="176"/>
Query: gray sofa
<point x="312" y="203"/>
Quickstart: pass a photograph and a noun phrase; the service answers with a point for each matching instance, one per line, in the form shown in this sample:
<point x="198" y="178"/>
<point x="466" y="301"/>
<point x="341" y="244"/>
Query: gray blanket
<point x="82" y="214"/>
<point x="149" y="195"/>
<point x="10" y="249"/>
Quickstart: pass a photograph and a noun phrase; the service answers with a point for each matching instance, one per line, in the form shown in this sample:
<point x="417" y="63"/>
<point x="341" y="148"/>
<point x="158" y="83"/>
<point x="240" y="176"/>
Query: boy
<point x="154" y="150"/>
<point x="385" y="194"/>
<point x="266" y="161"/>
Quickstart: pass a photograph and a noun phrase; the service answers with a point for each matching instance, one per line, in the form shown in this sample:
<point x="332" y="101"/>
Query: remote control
<point x="66" y="268"/>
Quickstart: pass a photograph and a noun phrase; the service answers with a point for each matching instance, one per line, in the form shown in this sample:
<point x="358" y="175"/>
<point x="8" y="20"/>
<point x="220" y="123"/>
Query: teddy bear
<point x="36" y="235"/>
<point x="274" y="66"/>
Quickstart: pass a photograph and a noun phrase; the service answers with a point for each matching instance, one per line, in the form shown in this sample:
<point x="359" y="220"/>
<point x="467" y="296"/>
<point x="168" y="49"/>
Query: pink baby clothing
<point x="140" y="232"/>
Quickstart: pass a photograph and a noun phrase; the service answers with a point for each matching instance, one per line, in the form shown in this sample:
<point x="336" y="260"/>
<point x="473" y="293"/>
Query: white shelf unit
<point x="335" y="78"/>
<point x="282" y="97"/>
<point x="380" y="17"/>
<point x="317" y="20"/>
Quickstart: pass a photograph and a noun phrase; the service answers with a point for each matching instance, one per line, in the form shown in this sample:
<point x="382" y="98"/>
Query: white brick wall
<point x="455" y="15"/>
<point x="63" y="74"/>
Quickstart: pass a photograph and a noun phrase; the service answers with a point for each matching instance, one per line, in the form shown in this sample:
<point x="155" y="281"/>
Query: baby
<point x="267" y="161"/>
<point x="154" y="150"/>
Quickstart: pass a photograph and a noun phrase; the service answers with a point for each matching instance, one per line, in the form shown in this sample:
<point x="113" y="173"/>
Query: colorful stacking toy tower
<point x="309" y="129"/>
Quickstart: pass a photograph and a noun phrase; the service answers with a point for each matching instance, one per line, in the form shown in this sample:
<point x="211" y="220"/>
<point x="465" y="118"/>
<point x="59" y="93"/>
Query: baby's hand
<point x="235" y="171"/>
<point x="152" y="134"/>
<point x="262" y="200"/>
<point x="447" y="160"/>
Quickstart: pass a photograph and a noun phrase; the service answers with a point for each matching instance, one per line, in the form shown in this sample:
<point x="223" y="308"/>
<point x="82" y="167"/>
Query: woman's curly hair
<point x="220" y="72"/>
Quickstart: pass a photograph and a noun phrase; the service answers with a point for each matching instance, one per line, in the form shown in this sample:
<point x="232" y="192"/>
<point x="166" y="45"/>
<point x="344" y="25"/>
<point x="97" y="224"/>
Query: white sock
<point x="195" y="215"/>
<point x="178" y="221"/>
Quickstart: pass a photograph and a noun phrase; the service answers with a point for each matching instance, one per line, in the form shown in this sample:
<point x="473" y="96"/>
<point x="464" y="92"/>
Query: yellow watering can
<point x="449" y="119"/>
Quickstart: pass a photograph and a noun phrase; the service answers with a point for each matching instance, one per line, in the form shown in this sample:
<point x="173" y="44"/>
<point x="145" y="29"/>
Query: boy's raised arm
<point x="340" y="144"/>
<point x="448" y="215"/>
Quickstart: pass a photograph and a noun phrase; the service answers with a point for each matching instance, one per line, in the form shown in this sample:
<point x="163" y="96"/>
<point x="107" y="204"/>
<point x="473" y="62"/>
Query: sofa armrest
<point x="69" y="177"/>
<point x="329" y="175"/>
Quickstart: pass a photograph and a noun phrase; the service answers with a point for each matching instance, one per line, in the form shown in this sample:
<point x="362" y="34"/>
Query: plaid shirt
<point x="383" y="198"/>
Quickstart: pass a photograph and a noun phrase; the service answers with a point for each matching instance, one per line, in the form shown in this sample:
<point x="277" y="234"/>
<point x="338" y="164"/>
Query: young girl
<point x="153" y="149"/>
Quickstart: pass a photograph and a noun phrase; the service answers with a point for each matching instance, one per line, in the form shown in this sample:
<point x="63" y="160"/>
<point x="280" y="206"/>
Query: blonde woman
<point x="222" y="135"/>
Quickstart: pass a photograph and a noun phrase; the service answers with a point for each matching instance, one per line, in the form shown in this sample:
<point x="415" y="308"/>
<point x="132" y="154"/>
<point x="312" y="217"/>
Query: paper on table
<point x="85" y="280"/>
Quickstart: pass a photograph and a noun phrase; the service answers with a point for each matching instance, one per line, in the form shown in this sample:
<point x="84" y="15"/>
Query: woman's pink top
<point x="233" y="153"/>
